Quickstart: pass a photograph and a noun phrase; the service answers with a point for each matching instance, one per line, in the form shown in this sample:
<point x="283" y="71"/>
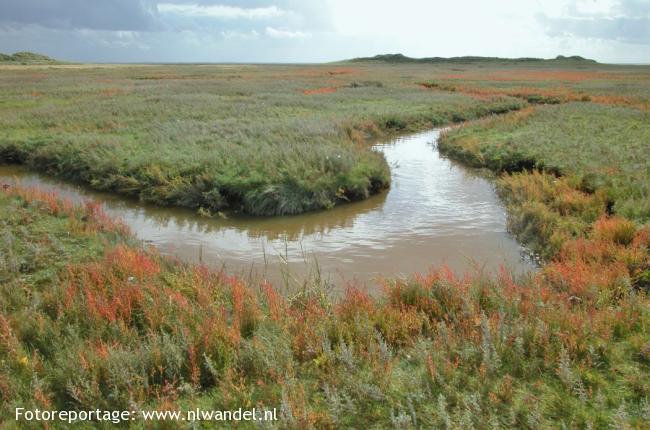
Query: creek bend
<point x="436" y="212"/>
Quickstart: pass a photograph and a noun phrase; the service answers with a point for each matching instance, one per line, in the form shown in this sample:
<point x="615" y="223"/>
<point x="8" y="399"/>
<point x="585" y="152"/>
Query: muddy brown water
<point x="436" y="212"/>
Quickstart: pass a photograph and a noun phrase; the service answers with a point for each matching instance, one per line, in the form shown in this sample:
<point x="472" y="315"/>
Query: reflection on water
<point x="436" y="212"/>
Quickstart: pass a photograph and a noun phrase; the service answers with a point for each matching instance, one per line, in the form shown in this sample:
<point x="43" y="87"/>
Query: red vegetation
<point x="607" y="262"/>
<point x="548" y="75"/>
<point x="322" y="90"/>
<point x="343" y="71"/>
<point x="557" y="94"/>
<point x="319" y="72"/>
<point x="91" y="214"/>
<point x="113" y="91"/>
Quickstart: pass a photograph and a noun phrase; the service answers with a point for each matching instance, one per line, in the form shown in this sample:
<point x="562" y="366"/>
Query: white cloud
<point x="220" y="11"/>
<point x="278" y="33"/>
<point x="243" y="35"/>
<point x="127" y="35"/>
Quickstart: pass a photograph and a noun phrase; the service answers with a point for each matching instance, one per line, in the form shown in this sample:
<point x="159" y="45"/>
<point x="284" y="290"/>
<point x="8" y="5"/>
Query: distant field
<point x="262" y="139"/>
<point x="552" y="84"/>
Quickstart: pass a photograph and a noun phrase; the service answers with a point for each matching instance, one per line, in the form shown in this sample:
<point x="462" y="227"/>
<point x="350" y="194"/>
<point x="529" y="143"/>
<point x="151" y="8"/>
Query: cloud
<point x="285" y="34"/>
<point x="626" y="21"/>
<point x="220" y="11"/>
<point x="629" y="30"/>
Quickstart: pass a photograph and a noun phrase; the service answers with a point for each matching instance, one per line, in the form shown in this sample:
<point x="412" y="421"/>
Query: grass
<point x="91" y="320"/>
<point x="265" y="140"/>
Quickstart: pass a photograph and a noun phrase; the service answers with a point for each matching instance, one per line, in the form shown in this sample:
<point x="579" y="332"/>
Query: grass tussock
<point x="91" y="319"/>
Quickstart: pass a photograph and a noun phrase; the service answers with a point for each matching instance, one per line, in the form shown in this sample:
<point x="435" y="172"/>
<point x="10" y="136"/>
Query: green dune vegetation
<point x="90" y="318"/>
<point x="401" y="58"/>
<point x="26" y="58"/>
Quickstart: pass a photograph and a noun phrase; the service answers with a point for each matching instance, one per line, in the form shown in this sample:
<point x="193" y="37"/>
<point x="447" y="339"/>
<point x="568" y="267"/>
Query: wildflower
<point x="24" y="360"/>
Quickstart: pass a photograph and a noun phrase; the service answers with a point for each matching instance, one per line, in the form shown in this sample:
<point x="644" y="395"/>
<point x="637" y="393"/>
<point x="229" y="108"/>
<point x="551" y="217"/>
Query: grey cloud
<point x="136" y="30"/>
<point x="116" y="15"/>
<point x="142" y="15"/>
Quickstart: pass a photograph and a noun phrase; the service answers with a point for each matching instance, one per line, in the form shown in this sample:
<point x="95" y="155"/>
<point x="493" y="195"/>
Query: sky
<point x="278" y="31"/>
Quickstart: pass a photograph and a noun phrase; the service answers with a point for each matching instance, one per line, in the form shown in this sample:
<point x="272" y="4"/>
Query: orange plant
<point x="322" y="90"/>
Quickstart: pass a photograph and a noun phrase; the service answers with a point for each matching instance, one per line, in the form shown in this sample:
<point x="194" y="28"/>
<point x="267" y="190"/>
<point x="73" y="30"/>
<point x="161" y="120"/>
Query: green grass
<point x="220" y="137"/>
<point x="92" y="320"/>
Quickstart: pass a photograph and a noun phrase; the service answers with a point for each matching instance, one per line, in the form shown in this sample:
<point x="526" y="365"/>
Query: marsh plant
<point x="114" y="325"/>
